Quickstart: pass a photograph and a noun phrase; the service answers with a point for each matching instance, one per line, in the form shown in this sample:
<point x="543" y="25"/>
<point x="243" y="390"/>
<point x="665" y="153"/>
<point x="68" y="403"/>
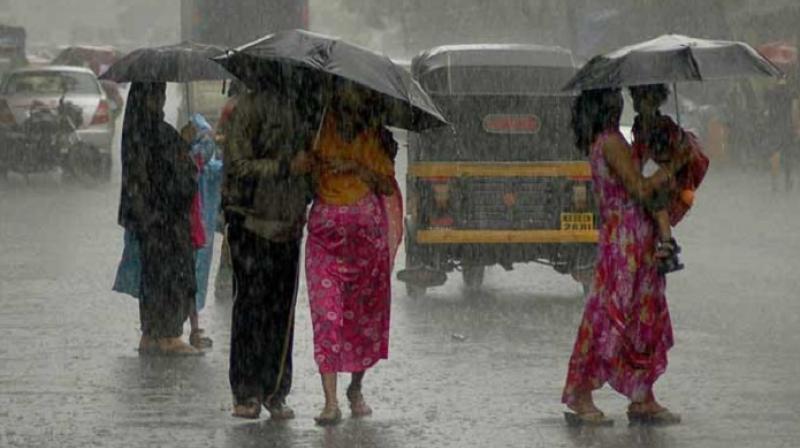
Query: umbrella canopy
<point x="669" y="59"/>
<point x="184" y="62"/>
<point x="262" y="63"/>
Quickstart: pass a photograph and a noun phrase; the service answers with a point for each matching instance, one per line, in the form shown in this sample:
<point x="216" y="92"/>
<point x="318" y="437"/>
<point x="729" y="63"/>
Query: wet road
<point x="69" y="375"/>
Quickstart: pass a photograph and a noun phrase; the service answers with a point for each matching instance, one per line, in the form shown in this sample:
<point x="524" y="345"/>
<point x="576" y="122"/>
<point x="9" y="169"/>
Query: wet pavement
<point x="463" y="372"/>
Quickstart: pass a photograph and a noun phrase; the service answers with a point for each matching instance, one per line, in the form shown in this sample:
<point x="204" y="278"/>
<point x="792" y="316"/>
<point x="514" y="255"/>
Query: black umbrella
<point x="263" y="63"/>
<point x="184" y="62"/>
<point x="670" y="59"/>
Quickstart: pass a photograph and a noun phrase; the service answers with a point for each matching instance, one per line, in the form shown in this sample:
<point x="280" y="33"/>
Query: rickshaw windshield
<point x="493" y="80"/>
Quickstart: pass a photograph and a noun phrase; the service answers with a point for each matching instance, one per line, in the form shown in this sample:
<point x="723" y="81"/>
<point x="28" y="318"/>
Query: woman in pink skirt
<point x="626" y="332"/>
<point x="352" y="236"/>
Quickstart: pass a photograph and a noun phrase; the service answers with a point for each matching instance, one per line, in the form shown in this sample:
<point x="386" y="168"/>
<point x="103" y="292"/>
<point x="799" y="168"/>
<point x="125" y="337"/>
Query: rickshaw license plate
<point x="577" y="221"/>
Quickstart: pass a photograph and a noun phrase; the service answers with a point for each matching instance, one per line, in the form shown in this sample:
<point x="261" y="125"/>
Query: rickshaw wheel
<point x="415" y="291"/>
<point x="585" y="278"/>
<point x="473" y="277"/>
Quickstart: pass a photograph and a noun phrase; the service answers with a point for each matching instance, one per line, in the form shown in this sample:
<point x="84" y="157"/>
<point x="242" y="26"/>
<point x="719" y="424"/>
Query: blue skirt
<point x="129" y="272"/>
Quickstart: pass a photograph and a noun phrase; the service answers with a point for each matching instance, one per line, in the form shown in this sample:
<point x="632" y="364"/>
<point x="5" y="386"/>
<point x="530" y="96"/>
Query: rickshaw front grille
<point x="516" y="204"/>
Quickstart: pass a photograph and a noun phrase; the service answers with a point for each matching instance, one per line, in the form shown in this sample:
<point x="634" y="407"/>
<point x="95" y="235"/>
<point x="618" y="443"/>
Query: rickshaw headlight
<point x="441" y="195"/>
<point x="412" y="204"/>
<point x="439" y="203"/>
<point x="580" y="196"/>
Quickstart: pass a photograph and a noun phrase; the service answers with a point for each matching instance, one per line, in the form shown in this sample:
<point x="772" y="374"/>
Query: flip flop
<point x="156" y="350"/>
<point x="662" y="417"/>
<point x="587" y="419"/>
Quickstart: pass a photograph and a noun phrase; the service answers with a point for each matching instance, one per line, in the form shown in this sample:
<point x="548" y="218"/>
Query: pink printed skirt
<point x="348" y="272"/>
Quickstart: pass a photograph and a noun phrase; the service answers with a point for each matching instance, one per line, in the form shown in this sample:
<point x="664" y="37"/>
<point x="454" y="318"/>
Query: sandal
<point x="592" y="418"/>
<point x="249" y="409"/>
<point x="198" y="339"/>
<point x="171" y="347"/>
<point x="176" y="347"/>
<point x="329" y="416"/>
<point x="662" y="417"/>
<point x="358" y="406"/>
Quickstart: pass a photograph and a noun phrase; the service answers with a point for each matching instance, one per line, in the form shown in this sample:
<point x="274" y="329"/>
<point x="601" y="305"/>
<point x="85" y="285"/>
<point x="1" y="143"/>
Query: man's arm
<point x="249" y="121"/>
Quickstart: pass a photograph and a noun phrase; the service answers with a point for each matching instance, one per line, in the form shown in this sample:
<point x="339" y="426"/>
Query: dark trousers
<point x="168" y="281"/>
<point x="265" y="286"/>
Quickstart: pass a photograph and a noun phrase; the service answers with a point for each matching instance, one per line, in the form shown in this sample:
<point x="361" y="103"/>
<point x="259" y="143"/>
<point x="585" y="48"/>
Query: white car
<point x="22" y="88"/>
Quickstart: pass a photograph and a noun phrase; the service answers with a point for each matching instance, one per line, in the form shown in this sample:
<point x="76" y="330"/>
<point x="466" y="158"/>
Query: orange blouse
<point x="366" y="150"/>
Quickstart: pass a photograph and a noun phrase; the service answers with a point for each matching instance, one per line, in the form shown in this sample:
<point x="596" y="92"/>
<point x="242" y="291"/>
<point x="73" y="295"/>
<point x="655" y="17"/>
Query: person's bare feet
<point x="651" y="412"/>
<point x="176" y="347"/>
<point x="646" y="407"/>
<point x="358" y="406"/>
<point x="330" y="415"/>
<point x="279" y="410"/>
<point x="584" y="406"/>
<point x="250" y="409"/>
<point x="584" y="412"/>
<point x="147" y="344"/>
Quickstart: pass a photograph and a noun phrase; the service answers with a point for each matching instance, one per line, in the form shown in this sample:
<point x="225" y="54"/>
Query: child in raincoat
<point x="204" y="151"/>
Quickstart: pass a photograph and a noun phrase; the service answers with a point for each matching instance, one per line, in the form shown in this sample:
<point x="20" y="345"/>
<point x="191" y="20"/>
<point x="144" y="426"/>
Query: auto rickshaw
<point x="505" y="184"/>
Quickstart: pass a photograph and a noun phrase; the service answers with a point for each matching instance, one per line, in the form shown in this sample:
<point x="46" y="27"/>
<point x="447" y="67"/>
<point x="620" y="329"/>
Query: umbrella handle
<point x="319" y="128"/>
<point x="677" y="105"/>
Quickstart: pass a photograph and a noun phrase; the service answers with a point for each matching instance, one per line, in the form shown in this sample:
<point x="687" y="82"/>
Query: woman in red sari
<point x="352" y="237"/>
<point x="626" y="332"/>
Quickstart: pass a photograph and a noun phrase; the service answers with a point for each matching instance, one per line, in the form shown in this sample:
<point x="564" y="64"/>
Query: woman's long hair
<point x="140" y="120"/>
<point x="140" y="128"/>
<point x="593" y="112"/>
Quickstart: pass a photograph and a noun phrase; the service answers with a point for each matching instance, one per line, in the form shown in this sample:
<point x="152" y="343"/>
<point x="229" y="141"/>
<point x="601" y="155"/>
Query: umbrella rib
<point x="693" y="62"/>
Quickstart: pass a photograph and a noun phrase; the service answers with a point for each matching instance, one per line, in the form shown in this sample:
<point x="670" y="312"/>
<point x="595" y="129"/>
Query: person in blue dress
<point x="205" y="152"/>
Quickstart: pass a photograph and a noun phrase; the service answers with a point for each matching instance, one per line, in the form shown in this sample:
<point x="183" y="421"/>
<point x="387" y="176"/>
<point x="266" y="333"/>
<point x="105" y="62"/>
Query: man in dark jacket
<point x="265" y="195"/>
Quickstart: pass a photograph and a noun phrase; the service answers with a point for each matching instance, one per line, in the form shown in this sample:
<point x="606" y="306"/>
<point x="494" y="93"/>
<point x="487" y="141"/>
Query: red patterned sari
<point x="626" y="331"/>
